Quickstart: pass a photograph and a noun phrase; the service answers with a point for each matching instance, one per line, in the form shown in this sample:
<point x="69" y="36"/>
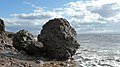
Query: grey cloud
<point x="106" y="10"/>
<point x="93" y="25"/>
<point x="89" y="27"/>
<point x="78" y="16"/>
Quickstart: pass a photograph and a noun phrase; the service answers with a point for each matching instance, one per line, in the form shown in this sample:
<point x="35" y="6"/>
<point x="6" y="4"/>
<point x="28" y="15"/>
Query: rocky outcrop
<point x="2" y="26"/>
<point x="59" y="39"/>
<point x="5" y="37"/>
<point x="23" y="40"/>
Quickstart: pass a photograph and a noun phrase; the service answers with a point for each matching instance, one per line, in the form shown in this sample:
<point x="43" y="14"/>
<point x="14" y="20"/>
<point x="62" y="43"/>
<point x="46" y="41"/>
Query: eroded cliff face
<point x="59" y="39"/>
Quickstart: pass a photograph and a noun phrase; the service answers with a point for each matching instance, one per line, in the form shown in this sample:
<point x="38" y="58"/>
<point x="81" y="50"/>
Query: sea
<point x="98" y="50"/>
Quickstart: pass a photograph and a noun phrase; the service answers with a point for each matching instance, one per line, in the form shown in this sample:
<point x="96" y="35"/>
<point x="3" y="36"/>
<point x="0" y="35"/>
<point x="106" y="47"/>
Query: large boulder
<point x="23" y="40"/>
<point x="59" y="39"/>
<point x="2" y="26"/>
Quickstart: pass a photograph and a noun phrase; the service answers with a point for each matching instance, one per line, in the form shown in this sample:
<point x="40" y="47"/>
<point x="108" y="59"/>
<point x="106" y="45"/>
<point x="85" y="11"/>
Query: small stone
<point x="118" y="60"/>
<point x="68" y="65"/>
<point x="38" y="61"/>
<point x="8" y="46"/>
<point x="11" y="58"/>
<point x="2" y="64"/>
<point x="30" y="65"/>
<point x="77" y="53"/>
<point x="62" y="64"/>
<point x="51" y="63"/>
<point x="86" y="59"/>
<point x="19" y="65"/>
<point x="93" y="65"/>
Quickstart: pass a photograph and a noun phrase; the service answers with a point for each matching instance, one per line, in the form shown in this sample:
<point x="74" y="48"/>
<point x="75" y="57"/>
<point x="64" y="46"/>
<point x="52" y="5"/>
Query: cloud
<point x="107" y="10"/>
<point x="15" y="25"/>
<point x="27" y="3"/>
<point x="85" y="16"/>
<point x="38" y="14"/>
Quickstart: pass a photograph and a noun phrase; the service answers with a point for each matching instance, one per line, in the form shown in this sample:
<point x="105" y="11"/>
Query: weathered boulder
<point x="21" y="37"/>
<point x="2" y="26"/>
<point x="59" y="39"/>
<point x="23" y="40"/>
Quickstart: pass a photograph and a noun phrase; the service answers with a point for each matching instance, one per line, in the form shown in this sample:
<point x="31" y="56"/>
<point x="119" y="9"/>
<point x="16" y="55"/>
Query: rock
<point x="30" y="65"/>
<point x="23" y="40"/>
<point x="20" y="38"/>
<point x="62" y="64"/>
<point x="5" y="37"/>
<point x="39" y="61"/>
<point x="59" y="39"/>
<point x="2" y="25"/>
<point x="34" y="48"/>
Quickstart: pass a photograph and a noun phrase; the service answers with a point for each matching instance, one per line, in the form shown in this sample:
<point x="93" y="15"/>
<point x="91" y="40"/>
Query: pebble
<point x="51" y="63"/>
<point x="19" y="65"/>
<point x="30" y="65"/>
<point x="2" y="64"/>
<point x="11" y="58"/>
<point x="39" y="61"/>
<point x="62" y="64"/>
<point x="77" y="53"/>
<point x="118" y="60"/>
<point x="86" y="59"/>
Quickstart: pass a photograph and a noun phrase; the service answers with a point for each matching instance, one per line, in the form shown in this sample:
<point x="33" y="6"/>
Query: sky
<point x="86" y="16"/>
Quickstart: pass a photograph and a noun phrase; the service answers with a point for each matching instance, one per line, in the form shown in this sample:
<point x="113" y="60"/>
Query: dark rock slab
<point x="59" y="39"/>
